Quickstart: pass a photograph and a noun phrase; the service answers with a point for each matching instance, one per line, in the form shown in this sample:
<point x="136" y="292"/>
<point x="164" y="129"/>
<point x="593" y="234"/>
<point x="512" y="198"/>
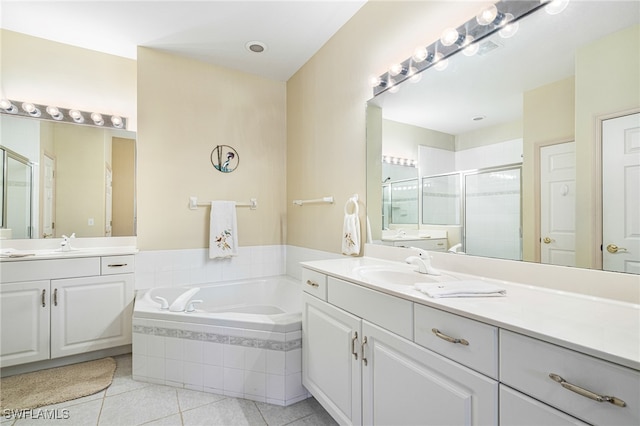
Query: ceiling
<point x="207" y="30"/>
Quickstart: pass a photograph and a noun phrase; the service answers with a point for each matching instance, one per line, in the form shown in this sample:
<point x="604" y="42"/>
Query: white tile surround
<point x="173" y="268"/>
<point x="256" y="365"/>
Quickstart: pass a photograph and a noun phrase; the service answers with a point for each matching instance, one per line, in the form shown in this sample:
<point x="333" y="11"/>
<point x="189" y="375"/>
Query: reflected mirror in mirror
<point x="61" y="178"/>
<point x="523" y="116"/>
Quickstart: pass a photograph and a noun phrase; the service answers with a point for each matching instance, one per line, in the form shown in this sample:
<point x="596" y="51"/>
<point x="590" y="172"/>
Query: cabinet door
<point x="517" y="409"/>
<point x="405" y="384"/>
<point x="24" y="317"/>
<point x="330" y="369"/>
<point x="90" y="313"/>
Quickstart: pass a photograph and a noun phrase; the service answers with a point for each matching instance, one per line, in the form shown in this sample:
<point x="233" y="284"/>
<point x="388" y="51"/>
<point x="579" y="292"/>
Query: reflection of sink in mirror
<point x="382" y="274"/>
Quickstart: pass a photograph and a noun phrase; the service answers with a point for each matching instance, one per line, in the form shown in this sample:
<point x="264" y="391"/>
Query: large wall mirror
<point x="61" y="178"/>
<point x="527" y="150"/>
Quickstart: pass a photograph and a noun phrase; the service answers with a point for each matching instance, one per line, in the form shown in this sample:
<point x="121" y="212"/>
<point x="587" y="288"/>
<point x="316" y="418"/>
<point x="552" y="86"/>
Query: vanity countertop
<point x="14" y="255"/>
<point x="600" y="327"/>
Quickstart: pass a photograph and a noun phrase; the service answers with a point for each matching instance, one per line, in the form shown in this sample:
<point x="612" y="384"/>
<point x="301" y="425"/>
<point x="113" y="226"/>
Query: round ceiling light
<point x="255" y="46"/>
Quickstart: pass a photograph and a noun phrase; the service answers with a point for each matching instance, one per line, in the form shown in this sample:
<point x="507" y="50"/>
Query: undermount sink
<point x="382" y="274"/>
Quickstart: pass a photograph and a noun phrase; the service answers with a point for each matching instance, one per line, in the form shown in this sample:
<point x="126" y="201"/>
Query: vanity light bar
<point x="468" y="34"/>
<point x="51" y="112"/>
<point x="399" y="161"/>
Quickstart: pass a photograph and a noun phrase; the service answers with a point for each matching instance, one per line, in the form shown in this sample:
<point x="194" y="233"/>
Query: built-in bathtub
<point x="243" y="340"/>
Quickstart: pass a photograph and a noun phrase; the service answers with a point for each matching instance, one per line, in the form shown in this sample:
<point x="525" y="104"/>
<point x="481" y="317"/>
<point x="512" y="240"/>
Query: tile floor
<point x="129" y="403"/>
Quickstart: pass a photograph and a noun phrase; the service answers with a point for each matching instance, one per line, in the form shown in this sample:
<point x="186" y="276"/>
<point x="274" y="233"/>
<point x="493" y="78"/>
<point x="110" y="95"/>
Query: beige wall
<point x="80" y="169"/>
<point x="402" y="140"/>
<point x="46" y="72"/>
<point x="326" y="102"/>
<point x="489" y="135"/>
<point x="185" y="109"/>
<point x="123" y="163"/>
<point x="548" y="118"/>
<point x="606" y="83"/>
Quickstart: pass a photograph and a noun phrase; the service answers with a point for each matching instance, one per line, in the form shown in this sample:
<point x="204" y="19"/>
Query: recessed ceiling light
<point x="255" y="46"/>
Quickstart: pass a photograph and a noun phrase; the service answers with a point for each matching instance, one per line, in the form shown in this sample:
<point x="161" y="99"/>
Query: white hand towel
<point x="223" y="230"/>
<point x="351" y="229"/>
<point x="469" y="288"/>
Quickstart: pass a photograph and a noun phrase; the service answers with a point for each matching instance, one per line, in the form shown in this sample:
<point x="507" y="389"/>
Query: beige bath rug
<point x="55" y="385"/>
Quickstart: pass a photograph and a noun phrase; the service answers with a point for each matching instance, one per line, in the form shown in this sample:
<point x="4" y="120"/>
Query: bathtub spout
<point x="180" y="304"/>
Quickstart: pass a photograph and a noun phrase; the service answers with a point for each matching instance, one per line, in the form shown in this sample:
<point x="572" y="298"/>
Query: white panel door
<point x="24" y="316"/>
<point x="48" y="207"/>
<point x="405" y="384"/>
<point x="90" y="313"/>
<point x="330" y="361"/>
<point x="621" y="194"/>
<point x="558" y="204"/>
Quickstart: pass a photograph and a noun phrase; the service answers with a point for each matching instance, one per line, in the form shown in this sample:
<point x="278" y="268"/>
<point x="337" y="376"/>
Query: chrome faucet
<point x="182" y="302"/>
<point x="423" y="261"/>
<point x="65" y="245"/>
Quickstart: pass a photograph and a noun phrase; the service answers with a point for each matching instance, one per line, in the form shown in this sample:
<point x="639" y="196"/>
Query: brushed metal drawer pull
<point x="364" y="358"/>
<point x="44" y="303"/>
<point x="116" y="265"/>
<point x="587" y="393"/>
<point x="449" y="338"/>
<point x="353" y="345"/>
<point x="312" y="284"/>
<point x="55" y="297"/>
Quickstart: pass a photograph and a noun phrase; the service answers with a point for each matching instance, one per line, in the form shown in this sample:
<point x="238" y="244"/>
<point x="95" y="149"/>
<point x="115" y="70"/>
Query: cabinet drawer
<point x="517" y="409"/>
<point x="117" y="264"/>
<point x="390" y="312"/>
<point x="32" y="270"/>
<point x="526" y="363"/>
<point x="314" y="283"/>
<point x="476" y="345"/>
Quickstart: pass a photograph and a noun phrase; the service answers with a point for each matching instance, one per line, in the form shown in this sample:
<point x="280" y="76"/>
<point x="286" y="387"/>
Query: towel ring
<point x="356" y="208"/>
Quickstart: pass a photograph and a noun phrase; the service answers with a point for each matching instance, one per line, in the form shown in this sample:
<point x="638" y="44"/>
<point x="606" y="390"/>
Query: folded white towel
<point x="351" y="229"/>
<point x="223" y="230"/>
<point x="469" y="288"/>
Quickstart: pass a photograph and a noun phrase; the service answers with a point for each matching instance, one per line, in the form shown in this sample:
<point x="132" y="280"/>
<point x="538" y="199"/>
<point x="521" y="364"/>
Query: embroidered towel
<point x="351" y="229"/>
<point x="223" y="230"/>
<point x="469" y="288"/>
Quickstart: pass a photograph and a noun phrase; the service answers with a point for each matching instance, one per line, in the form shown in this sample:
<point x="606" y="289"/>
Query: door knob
<point x="612" y="248"/>
<point x="547" y="240"/>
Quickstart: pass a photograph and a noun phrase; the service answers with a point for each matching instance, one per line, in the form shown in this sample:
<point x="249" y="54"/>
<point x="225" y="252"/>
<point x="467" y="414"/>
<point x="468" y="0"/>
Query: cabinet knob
<point x="312" y="284"/>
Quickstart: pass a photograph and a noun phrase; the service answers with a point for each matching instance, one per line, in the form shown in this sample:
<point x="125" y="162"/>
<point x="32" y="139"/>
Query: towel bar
<point x="194" y="204"/>
<point x="317" y="200"/>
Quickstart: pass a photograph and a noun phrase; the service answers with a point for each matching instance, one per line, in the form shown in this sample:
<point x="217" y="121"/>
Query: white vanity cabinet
<point x="360" y="363"/>
<point x="24" y="318"/>
<point x="64" y="307"/>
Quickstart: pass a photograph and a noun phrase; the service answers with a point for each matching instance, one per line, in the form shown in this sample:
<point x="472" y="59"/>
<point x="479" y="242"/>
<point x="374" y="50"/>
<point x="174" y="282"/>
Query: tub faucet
<point x="423" y="261"/>
<point x="182" y="301"/>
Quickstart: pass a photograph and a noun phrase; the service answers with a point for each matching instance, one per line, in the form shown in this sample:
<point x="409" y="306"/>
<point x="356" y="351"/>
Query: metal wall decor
<point x="224" y="158"/>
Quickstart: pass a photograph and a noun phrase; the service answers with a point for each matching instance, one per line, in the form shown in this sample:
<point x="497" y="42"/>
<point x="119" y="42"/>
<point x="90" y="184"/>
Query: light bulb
<point x="54" y="112"/>
<point x="375" y="81"/>
<point x="6" y="105"/>
<point x="420" y="54"/>
<point x="509" y="28"/>
<point x="117" y="121"/>
<point x="414" y="75"/>
<point x="487" y="16"/>
<point x="449" y="36"/>
<point x="31" y="109"/>
<point x="470" y="48"/>
<point x="395" y="69"/>
<point x="440" y="63"/>
<point x="556" y="6"/>
<point x="97" y="118"/>
<point x="76" y="115"/>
